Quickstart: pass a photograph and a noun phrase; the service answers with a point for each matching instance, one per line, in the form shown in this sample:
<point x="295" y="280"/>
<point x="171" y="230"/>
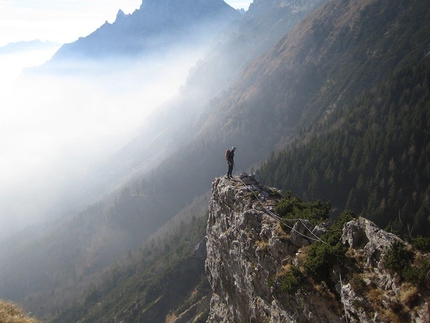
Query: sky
<point x="52" y="129"/>
<point x="56" y="20"/>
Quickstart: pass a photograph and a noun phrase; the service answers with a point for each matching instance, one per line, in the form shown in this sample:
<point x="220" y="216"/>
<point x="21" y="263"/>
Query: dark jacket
<point x="230" y="158"/>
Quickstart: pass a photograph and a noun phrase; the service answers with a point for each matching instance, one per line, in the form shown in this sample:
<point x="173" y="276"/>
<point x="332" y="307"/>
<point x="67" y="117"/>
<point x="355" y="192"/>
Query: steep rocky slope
<point x="249" y="258"/>
<point x="258" y="115"/>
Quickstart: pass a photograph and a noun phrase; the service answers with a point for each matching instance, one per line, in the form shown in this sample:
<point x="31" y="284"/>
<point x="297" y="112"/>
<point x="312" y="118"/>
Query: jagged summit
<point x="120" y="15"/>
<point x="156" y="25"/>
<point x="251" y="262"/>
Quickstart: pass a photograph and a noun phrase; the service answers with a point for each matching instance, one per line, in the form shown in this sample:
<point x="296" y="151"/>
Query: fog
<point x="55" y="127"/>
<point x="56" y="20"/>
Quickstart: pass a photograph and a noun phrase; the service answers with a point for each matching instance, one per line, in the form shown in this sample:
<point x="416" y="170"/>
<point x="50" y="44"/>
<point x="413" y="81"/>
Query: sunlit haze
<point x="63" y="20"/>
<point x="54" y="127"/>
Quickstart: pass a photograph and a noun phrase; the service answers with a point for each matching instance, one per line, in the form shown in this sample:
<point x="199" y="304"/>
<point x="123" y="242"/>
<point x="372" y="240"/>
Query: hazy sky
<point x="52" y="128"/>
<point x="56" y="20"/>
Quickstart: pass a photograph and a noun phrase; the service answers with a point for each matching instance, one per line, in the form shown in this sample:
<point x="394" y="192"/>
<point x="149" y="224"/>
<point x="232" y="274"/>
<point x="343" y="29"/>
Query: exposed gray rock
<point x="371" y="244"/>
<point x="245" y="250"/>
<point x="298" y="234"/>
<point x="364" y="234"/>
<point x="247" y="254"/>
<point x="319" y="230"/>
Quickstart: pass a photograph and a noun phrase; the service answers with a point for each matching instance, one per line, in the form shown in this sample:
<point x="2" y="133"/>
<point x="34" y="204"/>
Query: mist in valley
<point x="80" y="138"/>
<point x="56" y="128"/>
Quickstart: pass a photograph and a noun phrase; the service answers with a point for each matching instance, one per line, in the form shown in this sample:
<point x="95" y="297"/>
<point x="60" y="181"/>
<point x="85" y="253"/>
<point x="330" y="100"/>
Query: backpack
<point x="227" y="153"/>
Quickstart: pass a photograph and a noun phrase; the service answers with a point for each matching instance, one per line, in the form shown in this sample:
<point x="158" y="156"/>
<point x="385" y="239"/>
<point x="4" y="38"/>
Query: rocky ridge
<point x="153" y="28"/>
<point x="248" y="253"/>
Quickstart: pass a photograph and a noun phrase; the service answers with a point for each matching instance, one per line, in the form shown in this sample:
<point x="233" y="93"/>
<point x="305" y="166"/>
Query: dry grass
<point x="171" y="318"/>
<point x="374" y="296"/>
<point x="330" y="298"/>
<point x="398" y="309"/>
<point x="10" y="313"/>
<point x="387" y="315"/>
<point x="358" y="257"/>
<point x="394" y="315"/>
<point x="409" y="295"/>
<point x="263" y="245"/>
<point x="302" y="255"/>
<point x="283" y="270"/>
<point x="281" y="234"/>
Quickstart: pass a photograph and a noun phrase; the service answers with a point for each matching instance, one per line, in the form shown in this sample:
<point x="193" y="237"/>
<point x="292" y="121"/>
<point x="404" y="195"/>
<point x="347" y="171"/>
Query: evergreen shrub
<point x="292" y="207"/>
<point x="398" y="258"/>
<point x="401" y="261"/>
<point x="325" y="254"/>
<point x="421" y="243"/>
<point x="292" y="280"/>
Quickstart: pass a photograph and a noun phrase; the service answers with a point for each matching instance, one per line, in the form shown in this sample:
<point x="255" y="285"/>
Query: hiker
<point x="230" y="161"/>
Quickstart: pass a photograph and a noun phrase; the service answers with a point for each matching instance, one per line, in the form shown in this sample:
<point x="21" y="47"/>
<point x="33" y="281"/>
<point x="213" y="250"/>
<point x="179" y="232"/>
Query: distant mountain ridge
<point x="342" y="50"/>
<point x="156" y="25"/>
<point x="260" y="28"/>
<point x="236" y="46"/>
<point x="22" y="46"/>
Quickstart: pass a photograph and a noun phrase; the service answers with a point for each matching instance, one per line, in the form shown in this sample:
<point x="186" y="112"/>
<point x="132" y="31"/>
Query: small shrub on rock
<point x="325" y="254"/>
<point x="398" y="257"/>
<point x="292" y="280"/>
<point x="401" y="261"/>
<point x="292" y="207"/>
<point x="358" y="284"/>
<point x="421" y="243"/>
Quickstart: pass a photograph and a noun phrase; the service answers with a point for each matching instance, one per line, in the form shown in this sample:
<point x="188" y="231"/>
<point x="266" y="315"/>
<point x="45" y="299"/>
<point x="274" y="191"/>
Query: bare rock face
<point x="245" y="250"/>
<point x="374" y="242"/>
<point x="248" y="253"/>
<point x="370" y="244"/>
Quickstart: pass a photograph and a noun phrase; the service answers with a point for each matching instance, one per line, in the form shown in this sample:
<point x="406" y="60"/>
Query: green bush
<point x="292" y="280"/>
<point x="274" y="193"/>
<point x="323" y="255"/>
<point x="398" y="257"/>
<point x="416" y="274"/>
<point x="292" y="207"/>
<point x="401" y="261"/>
<point x="421" y="243"/>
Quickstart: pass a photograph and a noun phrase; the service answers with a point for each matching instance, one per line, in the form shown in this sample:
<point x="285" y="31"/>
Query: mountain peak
<point x="120" y="15"/>
<point x="170" y="22"/>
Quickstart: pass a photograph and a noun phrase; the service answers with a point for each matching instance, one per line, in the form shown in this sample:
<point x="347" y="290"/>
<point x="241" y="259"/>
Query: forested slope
<point x="314" y="83"/>
<point x="371" y="156"/>
<point x="343" y="49"/>
<point x="163" y="279"/>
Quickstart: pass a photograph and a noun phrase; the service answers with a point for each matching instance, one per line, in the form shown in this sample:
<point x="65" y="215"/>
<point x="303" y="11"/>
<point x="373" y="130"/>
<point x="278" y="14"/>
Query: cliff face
<point x="248" y="253"/>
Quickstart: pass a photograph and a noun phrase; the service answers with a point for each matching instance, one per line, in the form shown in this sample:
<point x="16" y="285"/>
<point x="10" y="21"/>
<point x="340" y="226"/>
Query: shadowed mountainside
<point x="334" y="55"/>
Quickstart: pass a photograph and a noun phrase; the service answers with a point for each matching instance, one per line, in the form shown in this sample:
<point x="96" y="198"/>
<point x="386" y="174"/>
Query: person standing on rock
<point x="230" y="161"/>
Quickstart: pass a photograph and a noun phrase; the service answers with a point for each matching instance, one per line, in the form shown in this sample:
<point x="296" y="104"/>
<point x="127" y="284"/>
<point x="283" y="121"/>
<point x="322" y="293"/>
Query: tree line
<point x="371" y="156"/>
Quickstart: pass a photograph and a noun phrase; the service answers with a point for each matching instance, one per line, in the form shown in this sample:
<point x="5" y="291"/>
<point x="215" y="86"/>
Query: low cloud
<point x="55" y="128"/>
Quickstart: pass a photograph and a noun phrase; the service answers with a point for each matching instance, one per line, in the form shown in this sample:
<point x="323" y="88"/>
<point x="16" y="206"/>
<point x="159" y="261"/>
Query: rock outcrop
<point x="393" y="301"/>
<point x="248" y="253"/>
